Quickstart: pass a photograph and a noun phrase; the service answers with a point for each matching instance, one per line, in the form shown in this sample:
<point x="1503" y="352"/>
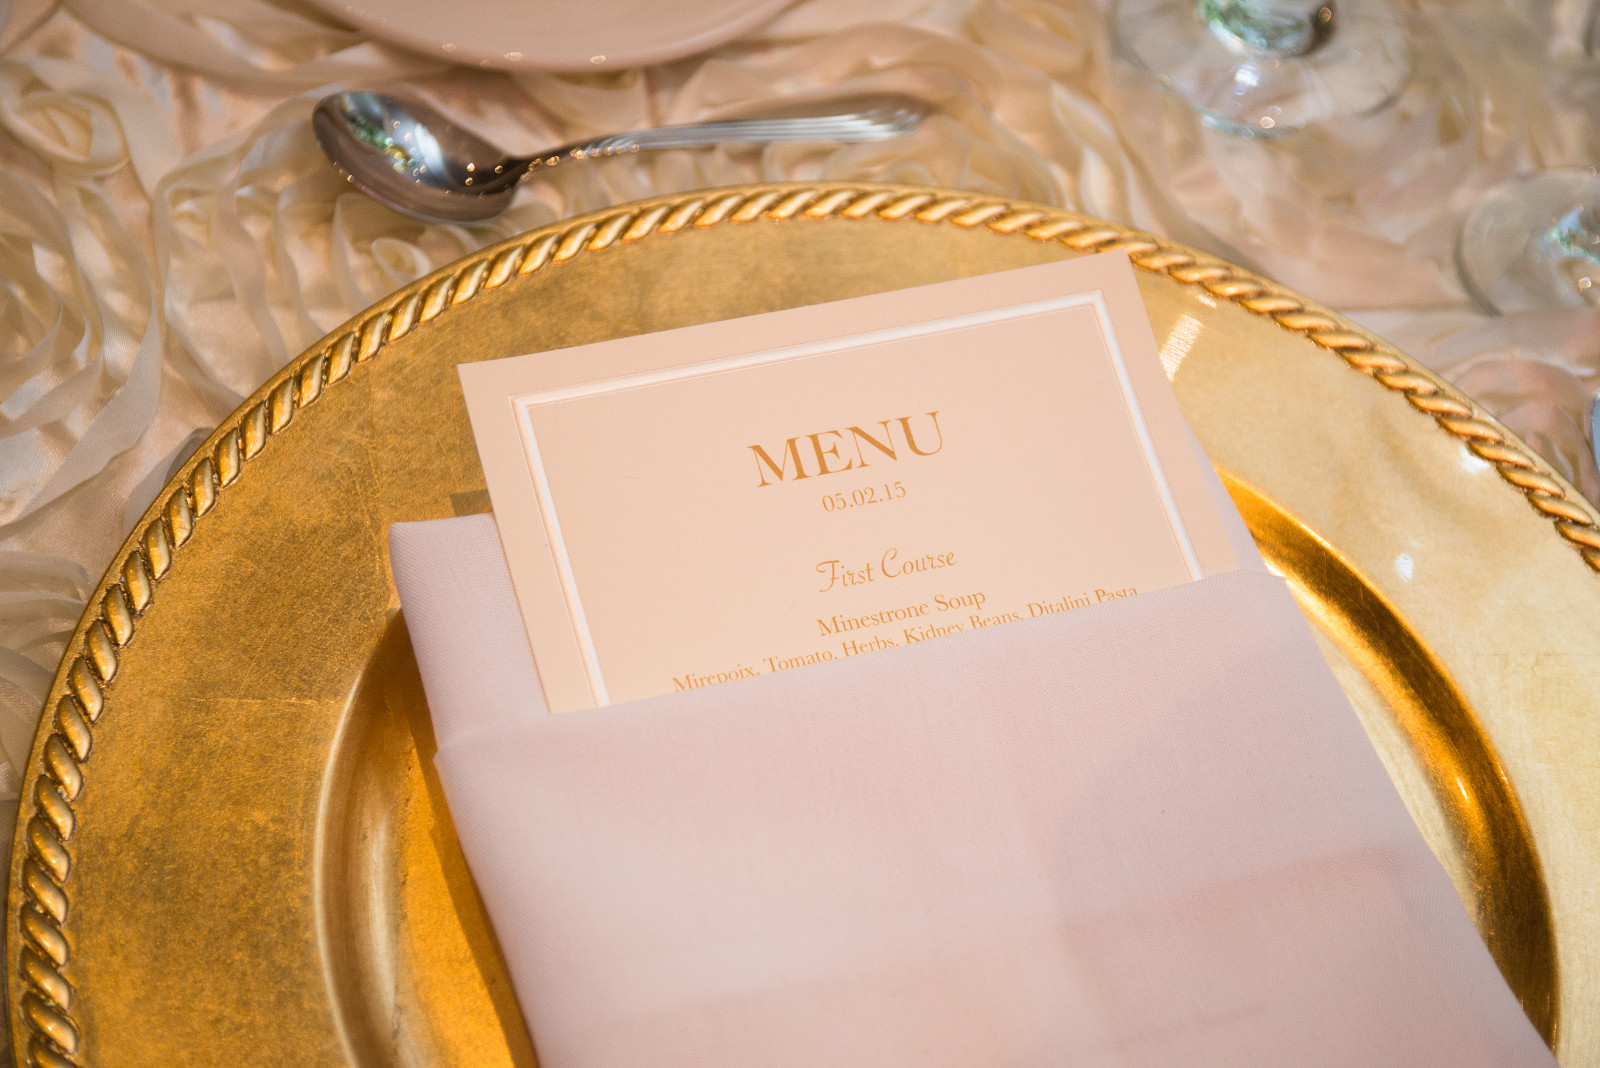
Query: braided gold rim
<point x="42" y="1017"/>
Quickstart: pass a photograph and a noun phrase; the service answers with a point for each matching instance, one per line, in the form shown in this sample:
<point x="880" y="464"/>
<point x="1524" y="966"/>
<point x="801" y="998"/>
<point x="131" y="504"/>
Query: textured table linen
<point x="1150" y="832"/>
<point x="170" y="235"/>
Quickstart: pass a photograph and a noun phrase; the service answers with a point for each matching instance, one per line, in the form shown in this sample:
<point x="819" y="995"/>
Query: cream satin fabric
<point x="1131" y="836"/>
<point x="169" y="233"/>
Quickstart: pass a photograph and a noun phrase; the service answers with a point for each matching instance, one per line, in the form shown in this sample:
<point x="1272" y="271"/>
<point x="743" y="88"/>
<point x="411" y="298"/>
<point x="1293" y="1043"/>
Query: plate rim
<point x="40" y="998"/>
<point x="755" y="13"/>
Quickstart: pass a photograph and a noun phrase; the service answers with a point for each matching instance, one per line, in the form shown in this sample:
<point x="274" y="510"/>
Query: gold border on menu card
<point x="38" y="945"/>
<point x="523" y="404"/>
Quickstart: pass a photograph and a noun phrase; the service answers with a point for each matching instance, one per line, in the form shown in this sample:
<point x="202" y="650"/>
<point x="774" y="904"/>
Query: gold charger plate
<point x="232" y="848"/>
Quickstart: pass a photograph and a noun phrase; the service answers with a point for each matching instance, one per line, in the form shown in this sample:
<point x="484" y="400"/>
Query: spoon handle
<point x="866" y="119"/>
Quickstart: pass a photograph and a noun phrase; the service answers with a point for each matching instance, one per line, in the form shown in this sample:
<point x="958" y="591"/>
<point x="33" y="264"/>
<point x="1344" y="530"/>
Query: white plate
<point x="563" y="35"/>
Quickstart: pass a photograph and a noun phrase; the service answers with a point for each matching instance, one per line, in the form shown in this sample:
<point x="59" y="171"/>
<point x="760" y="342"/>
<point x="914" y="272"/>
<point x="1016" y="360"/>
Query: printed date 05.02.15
<point x="864" y="495"/>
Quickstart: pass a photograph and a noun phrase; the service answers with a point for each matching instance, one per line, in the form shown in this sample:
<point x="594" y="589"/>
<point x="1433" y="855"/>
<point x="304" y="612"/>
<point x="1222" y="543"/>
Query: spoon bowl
<point x="404" y="153"/>
<point x="411" y="157"/>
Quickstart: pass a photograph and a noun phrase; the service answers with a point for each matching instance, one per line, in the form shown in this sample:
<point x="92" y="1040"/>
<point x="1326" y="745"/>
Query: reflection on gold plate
<point x="233" y="849"/>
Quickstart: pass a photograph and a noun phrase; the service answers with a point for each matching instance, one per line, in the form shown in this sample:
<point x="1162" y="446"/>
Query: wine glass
<point x="1534" y="243"/>
<point x="1264" y="68"/>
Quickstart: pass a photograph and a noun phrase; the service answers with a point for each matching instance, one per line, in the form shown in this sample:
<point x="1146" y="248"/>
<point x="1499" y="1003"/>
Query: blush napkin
<point x="1147" y="833"/>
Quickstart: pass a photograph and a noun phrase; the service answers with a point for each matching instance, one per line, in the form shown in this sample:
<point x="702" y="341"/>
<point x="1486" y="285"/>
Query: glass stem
<point x="1280" y="27"/>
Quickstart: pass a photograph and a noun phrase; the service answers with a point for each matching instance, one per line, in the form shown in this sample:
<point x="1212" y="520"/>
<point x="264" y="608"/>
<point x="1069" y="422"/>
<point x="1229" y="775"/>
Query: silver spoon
<point x="404" y="153"/>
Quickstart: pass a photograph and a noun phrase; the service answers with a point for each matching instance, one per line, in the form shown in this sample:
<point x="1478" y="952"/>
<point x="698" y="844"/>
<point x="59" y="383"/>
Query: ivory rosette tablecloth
<point x="170" y="234"/>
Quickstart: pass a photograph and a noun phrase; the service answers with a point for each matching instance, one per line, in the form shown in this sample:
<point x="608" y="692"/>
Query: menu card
<point x="696" y="506"/>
